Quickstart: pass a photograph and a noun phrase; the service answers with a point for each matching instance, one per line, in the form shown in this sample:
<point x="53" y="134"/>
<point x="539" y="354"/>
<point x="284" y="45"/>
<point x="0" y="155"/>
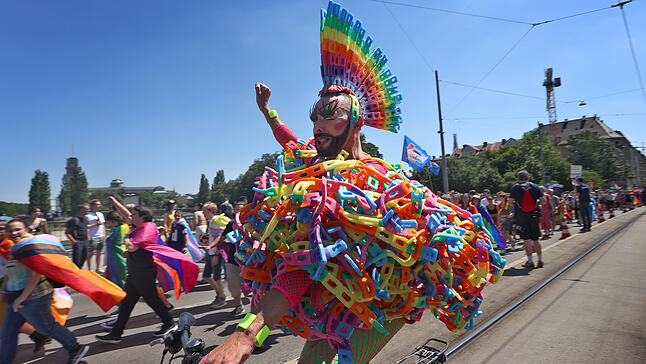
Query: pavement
<point x="213" y="326"/>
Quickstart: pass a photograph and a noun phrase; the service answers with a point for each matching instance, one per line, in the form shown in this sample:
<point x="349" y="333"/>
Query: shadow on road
<point x="515" y="272"/>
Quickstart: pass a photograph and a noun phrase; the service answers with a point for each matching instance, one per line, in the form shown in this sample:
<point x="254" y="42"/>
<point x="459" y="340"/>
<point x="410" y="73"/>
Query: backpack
<point x="529" y="204"/>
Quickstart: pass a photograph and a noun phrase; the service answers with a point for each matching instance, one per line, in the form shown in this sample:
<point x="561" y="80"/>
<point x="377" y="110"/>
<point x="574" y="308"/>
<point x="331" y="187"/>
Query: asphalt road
<point x="215" y="325"/>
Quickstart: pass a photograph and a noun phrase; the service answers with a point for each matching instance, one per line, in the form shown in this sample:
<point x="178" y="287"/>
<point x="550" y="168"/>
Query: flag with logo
<point x="417" y="158"/>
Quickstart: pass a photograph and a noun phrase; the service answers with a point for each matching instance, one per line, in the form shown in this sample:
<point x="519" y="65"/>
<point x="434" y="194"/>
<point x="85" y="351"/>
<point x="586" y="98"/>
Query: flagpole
<point x="445" y="175"/>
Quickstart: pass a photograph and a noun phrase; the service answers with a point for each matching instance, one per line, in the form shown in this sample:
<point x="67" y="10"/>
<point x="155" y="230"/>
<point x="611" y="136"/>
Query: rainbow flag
<point x="491" y="227"/>
<point x="61" y="305"/>
<point x="146" y="236"/>
<point x="114" y="246"/>
<point x="45" y="255"/>
<point x="192" y="245"/>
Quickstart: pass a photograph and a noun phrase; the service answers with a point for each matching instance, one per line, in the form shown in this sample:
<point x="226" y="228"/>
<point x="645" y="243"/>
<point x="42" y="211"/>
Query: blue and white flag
<point x="417" y="158"/>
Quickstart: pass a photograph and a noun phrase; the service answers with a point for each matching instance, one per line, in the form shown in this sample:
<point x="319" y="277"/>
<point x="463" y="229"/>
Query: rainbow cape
<point x="116" y="262"/>
<point x="192" y="245"/>
<point x="176" y="270"/>
<point x="45" y="255"/>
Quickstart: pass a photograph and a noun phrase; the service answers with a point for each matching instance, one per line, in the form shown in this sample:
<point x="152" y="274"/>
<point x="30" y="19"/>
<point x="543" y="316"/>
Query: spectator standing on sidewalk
<point x="79" y="236"/>
<point x="526" y="197"/>
<point x="583" y="192"/>
<point x="169" y="216"/>
<point x="546" y="214"/>
<point x="95" y="220"/>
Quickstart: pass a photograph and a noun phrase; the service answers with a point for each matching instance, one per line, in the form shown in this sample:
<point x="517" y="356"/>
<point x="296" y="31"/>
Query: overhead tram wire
<point x="536" y="97"/>
<point x="419" y="52"/>
<point x="492" y="69"/>
<point x="632" y="49"/>
<point x="452" y="12"/>
<point x="538" y="117"/>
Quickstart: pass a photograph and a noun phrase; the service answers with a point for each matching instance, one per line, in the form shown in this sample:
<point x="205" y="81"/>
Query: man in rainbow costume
<point x="341" y="248"/>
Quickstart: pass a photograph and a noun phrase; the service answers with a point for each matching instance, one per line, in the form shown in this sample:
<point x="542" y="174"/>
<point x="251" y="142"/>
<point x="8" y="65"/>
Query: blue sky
<point x="158" y="92"/>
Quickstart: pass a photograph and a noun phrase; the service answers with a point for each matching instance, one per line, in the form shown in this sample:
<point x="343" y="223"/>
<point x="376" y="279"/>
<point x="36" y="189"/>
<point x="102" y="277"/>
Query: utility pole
<point x="445" y="175"/>
<point x="540" y="143"/>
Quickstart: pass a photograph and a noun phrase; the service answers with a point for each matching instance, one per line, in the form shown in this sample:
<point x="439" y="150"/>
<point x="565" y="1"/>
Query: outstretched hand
<point x="235" y="350"/>
<point x="263" y="92"/>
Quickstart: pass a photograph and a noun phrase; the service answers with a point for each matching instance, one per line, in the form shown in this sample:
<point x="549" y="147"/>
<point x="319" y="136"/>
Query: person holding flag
<point x="30" y="297"/>
<point x="417" y="158"/>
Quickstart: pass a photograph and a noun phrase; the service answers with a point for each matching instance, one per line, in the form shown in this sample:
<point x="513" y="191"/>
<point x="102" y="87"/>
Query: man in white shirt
<point x="95" y="220"/>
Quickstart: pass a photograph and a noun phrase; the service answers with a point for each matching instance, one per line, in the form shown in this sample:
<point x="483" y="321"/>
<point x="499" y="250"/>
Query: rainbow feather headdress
<point x="347" y="60"/>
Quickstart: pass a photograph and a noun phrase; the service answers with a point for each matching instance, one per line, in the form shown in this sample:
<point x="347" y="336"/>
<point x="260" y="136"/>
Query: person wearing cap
<point x="473" y="205"/>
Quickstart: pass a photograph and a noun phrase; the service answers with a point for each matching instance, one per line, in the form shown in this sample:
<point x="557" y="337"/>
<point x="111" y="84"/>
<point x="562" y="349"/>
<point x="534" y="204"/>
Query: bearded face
<point x="331" y="118"/>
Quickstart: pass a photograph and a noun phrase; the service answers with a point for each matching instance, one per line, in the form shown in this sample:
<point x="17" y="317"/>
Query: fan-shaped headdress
<point x="347" y="60"/>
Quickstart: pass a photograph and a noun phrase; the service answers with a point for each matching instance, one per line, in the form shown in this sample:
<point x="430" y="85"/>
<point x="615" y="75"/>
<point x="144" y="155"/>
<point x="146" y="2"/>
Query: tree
<point x="13" y="209"/>
<point x="370" y="148"/>
<point x="242" y="186"/>
<point x="220" y="190"/>
<point x="597" y="154"/>
<point x="73" y="191"/>
<point x="39" y="193"/>
<point x="203" y="194"/>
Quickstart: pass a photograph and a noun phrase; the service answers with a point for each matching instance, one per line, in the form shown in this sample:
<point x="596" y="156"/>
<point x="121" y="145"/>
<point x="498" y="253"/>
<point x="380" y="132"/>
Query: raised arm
<point x="263" y="92"/>
<point x="122" y="210"/>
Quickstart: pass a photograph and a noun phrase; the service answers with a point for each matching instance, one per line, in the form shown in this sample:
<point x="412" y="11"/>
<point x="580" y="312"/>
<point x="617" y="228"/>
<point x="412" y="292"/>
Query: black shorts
<point x="217" y="270"/>
<point x="528" y="225"/>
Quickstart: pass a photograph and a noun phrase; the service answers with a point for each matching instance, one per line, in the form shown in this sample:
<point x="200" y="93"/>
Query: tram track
<point x="482" y="328"/>
<point x="435" y="350"/>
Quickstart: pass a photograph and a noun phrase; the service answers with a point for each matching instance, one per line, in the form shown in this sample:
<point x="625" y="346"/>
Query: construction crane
<point x="551" y="103"/>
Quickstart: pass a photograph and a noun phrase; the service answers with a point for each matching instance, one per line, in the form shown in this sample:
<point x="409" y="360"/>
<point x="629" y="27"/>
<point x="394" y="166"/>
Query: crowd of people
<point x="545" y="210"/>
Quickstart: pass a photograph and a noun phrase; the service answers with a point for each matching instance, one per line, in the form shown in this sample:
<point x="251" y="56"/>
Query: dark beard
<point x="335" y="145"/>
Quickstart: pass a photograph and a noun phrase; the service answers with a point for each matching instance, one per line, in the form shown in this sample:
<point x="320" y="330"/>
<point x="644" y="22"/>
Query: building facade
<point x="560" y="132"/>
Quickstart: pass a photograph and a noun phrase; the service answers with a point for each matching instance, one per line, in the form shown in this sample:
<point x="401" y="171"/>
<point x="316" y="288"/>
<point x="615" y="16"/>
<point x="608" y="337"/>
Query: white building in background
<point x="131" y="194"/>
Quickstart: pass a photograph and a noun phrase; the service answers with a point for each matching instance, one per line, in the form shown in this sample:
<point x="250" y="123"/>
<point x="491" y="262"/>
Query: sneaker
<point x="218" y="302"/>
<point x="239" y="310"/>
<point x="109" y="338"/>
<point x="109" y="324"/>
<point x="165" y="329"/>
<point x="77" y="354"/>
<point x="528" y="264"/>
<point x="39" y="340"/>
<point x="539" y="264"/>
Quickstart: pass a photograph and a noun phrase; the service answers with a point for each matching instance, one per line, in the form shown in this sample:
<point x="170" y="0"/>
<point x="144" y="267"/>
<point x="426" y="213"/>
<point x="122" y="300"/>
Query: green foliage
<point x="13" y="209"/>
<point x="73" y="192"/>
<point x="203" y="194"/>
<point x="592" y="176"/>
<point x="370" y="148"/>
<point x="242" y="186"/>
<point x="496" y="170"/>
<point x="597" y="154"/>
<point x="102" y="195"/>
<point x="39" y="193"/>
<point x="219" y="188"/>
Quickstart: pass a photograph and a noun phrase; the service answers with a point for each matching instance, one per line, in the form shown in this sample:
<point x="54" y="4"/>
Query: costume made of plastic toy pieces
<point x="347" y="60"/>
<point x="378" y="247"/>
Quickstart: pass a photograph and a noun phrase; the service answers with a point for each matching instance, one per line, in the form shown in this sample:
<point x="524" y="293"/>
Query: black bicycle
<point x="180" y="339"/>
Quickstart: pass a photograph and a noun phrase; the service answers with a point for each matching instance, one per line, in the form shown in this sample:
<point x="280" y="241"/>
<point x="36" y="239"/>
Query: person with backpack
<point x="526" y="198"/>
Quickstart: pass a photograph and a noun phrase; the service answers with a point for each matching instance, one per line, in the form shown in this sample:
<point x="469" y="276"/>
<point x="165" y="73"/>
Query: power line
<point x="632" y="49"/>
<point x="539" y="117"/>
<point x="537" y="97"/>
<point x="492" y="68"/>
<point x="409" y="38"/>
<point x="452" y="12"/>
<point x="497" y="18"/>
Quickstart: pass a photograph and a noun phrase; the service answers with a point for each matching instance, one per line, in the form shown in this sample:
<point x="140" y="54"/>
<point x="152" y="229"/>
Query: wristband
<point x="247" y="321"/>
<point x="272" y="114"/>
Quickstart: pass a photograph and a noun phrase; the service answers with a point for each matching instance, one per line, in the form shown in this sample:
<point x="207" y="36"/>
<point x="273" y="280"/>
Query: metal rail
<point x="486" y="325"/>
